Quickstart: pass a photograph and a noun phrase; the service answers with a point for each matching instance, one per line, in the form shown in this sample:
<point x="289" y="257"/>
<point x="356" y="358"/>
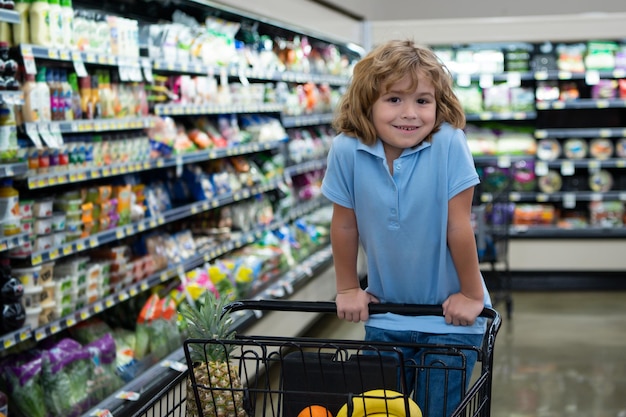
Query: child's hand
<point x="460" y="310"/>
<point x="352" y="304"/>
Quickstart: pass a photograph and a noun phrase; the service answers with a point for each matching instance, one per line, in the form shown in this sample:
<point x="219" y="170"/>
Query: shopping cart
<point x="281" y="376"/>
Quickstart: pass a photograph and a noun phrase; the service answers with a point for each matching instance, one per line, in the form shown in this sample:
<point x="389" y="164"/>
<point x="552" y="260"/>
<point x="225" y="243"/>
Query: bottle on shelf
<point x="43" y="96"/>
<point x="21" y="30"/>
<point x="66" y="96"/>
<point x="9" y="208"/>
<point x="67" y="23"/>
<point x="55" y="22"/>
<point x="8" y="134"/>
<point x="39" y="23"/>
<point x="86" y="103"/>
<point x="31" y="108"/>
<point x="77" y="110"/>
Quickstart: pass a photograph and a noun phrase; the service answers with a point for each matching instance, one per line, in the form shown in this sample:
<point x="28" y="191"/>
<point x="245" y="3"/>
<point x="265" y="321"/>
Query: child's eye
<point x="422" y="101"/>
<point x="393" y="99"/>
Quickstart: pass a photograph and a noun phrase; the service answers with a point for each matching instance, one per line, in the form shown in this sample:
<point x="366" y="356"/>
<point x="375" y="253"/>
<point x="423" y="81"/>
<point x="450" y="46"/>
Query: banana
<point x="378" y="403"/>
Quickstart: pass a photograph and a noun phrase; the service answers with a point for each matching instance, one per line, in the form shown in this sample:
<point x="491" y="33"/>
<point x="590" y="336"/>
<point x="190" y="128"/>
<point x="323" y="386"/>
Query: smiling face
<point x="403" y="117"/>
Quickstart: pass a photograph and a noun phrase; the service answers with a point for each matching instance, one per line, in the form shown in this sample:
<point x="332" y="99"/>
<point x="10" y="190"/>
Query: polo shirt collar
<point x="378" y="150"/>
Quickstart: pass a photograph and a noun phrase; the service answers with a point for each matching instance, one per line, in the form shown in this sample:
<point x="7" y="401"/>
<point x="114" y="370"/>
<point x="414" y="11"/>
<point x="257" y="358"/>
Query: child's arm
<point x="463" y="308"/>
<point x="352" y="302"/>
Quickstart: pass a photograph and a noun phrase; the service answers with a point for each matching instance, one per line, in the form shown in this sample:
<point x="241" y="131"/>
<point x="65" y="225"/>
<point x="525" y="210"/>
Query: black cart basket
<point x="312" y="377"/>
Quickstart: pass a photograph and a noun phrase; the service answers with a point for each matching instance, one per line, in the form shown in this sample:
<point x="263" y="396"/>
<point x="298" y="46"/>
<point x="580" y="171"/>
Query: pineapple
<point x="211" y="368"/>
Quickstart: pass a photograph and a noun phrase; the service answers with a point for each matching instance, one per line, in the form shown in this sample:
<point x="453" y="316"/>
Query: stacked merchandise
<point x="158" y="167"/>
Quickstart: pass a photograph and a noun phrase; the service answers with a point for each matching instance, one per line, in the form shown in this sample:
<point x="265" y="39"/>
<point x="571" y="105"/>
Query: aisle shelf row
<point x="194" y="68"/>
<point x="509" y="115"/>
<point x="9" y="16"/>
<point x="202" y="109"/>
<point x="582" y="103"/>
<point x="307" y="120"/>
<point x="586" y="132"/>
<point x="553" y="232"/>
<point x="10" y="242"/>
<point x="178" y="213"/>
<point x="217" y="250"/>
<point x="559" y="196"/>
<point x="78" y="175"/>
<point x="99" y="125"/>
<point x="514" y="77"/>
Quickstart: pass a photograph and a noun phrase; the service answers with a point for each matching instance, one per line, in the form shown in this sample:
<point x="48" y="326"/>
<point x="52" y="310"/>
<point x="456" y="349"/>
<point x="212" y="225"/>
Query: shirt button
<point x="397" y="167"/>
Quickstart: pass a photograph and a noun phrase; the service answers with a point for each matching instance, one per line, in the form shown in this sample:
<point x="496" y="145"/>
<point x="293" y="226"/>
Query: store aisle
<point x="561" y="354"/>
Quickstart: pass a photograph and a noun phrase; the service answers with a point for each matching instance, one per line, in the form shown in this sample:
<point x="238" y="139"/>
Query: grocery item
<point x="551" y="182"/>
<point x="315" y="411"/>
<point x="601" y="148"/>
<point x="385" y="402"/>
<point x="9" y="208"/>
<point x="548" y="149"/>
<point x="40" y="23"/>
<point x="21" y="30"/>
<point x="601" y="181"/>
<point x="575" y="148"/>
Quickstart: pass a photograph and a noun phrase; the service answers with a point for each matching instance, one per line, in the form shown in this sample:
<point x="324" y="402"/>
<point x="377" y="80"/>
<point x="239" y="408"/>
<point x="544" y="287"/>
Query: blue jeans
<point x="443" y="374"/>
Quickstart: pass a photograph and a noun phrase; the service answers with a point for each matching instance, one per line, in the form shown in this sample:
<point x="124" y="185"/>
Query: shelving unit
<point x="146" y="70"/>
<point x="560" y="119"/>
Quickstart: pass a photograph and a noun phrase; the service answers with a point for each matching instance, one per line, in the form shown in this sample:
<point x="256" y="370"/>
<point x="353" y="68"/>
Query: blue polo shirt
<point x="402" y="220"/>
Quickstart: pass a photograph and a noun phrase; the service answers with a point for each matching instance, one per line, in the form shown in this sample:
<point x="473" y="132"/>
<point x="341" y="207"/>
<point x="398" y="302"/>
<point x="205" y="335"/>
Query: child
<point x="401" y="179"/>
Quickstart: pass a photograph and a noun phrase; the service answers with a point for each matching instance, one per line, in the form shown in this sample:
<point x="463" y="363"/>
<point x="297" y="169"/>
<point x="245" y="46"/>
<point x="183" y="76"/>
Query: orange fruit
<point x="315" y="411"/>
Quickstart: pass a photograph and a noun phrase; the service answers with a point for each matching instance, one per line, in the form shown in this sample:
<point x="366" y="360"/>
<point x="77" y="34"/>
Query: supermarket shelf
<point x="9" y="16"/>
<point x="553" y="232"/>
<point x="11" y="97"/>
<point x="486" y="116"/>
<point x="189" y="109"/>
<point x="13" y="169"/>
<point x="566" y="164"/>
<point x="101" y="125"/>
<point x="172" y="215"/>
<point x="612" y="132"/>
<point x="160" y="277"/>
<point x="10" y="242"/>
<point x="189" y="67"/>
<point x="566" y="75"/>
<point x="572" y="196"/>
<point x="307" y="120"/>
<point x="194" y="67"/>
<point x="60" y="178"/>
<point x="581" y="104"/>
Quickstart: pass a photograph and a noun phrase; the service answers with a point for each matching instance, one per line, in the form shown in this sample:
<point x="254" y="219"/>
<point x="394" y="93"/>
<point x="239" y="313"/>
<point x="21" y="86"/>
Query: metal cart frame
<point x="332" y="372"/>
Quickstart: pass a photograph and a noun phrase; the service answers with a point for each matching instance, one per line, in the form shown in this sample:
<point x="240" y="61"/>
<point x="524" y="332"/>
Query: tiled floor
<point x="561" y="354"/>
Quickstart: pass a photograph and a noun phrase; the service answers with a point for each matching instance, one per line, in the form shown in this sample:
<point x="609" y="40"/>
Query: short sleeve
<point x="338" y="182"/>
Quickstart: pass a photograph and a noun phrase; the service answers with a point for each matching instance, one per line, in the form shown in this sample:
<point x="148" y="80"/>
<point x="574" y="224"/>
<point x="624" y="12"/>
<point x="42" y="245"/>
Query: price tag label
<point x="592" y="77"/>
<point x="128" y="395"/>
<point x="569" y="200"/>
<point x="79" y="64"/>
<point x="146" y="66"/>
<point x="177" y="366"/>
<point x="541" y="168"/>
<point x="567" y="168"/>
<point x="29" y="60"/>
<point x="33" y="133"/>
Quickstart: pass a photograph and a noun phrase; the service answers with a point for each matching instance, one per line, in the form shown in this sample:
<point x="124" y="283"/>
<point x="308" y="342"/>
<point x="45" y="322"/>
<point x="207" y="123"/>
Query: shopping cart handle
<point x="330" y="307"/>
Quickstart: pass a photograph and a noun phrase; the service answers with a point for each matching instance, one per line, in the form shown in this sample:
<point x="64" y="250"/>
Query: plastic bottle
<point x="9" y="208"/>
<point x="85" y="97"/>
<point x="56" y="29"/>
<point x="67" y="23"/>
<point x="8" y="134"/>
<point x="43" y="93"/>
<point x="77" y="111"/>
<point x="53" y="87"/>
<point x="39" y="23"/>
<point x="31" y="109"/>
<point x="21" y="30"/>
<point x="66" y="96"/>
